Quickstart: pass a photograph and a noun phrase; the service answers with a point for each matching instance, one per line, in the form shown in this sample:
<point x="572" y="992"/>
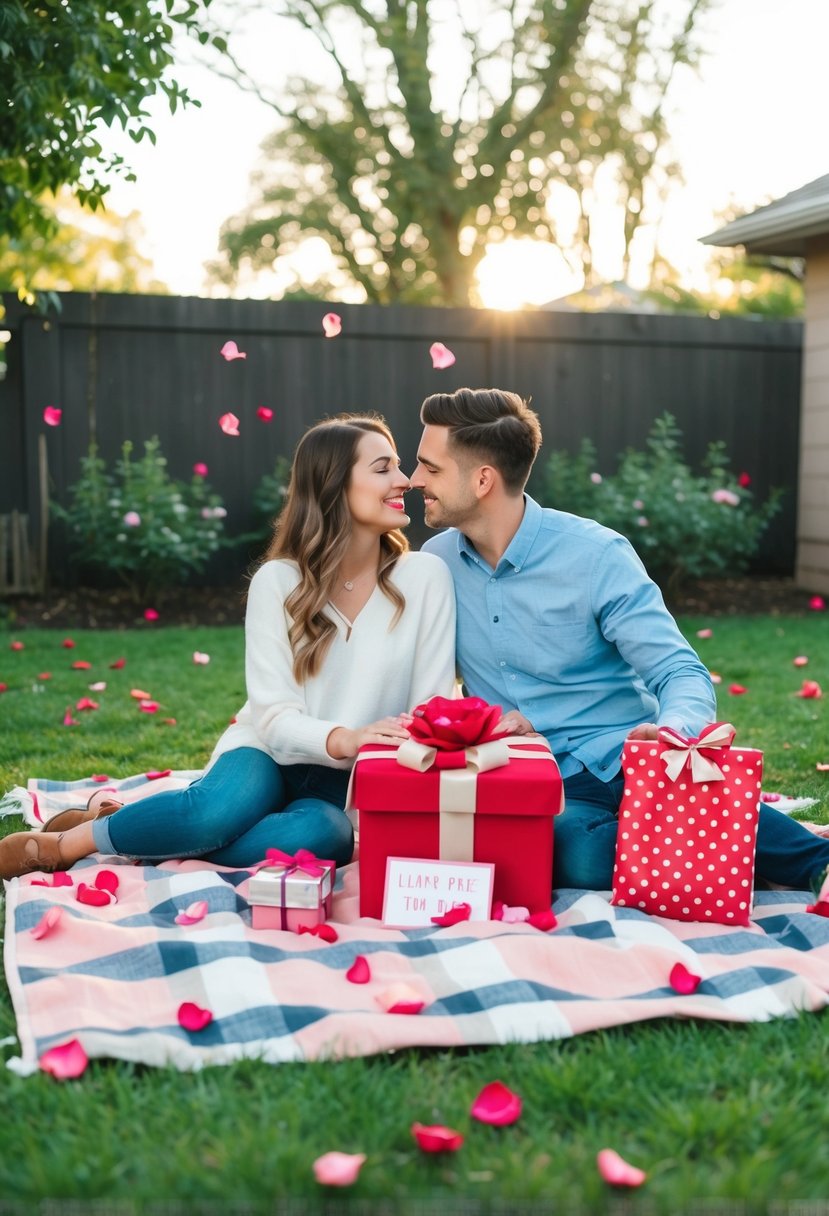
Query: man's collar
<point x="521" y="543"/>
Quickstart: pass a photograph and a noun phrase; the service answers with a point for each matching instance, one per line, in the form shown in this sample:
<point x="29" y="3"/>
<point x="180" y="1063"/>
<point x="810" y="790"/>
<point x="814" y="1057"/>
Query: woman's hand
<point x="516" y="724"/>
<point x="648" y="730"/>
<point x="343" y="744"/>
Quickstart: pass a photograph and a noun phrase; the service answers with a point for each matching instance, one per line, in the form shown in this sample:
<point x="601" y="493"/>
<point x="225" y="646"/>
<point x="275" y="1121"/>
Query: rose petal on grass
<point x="456" y="914"/>
<point x="59" y="879"/>
<point x="168" y="722"/>
<point x="817" y="603"/>
<point x="68" y="644"/>
<point x="49" y="921"/>
<point x="338" y="1169"/>
<point x="68" y="720"/>
<point x="332" y="324"/>
<point x="435" y="1138"/>
<point x="151" y="614"/>
<point x="86" y="703"/>
<point x="98" y="686"/>
<point x="705" y="633"/>
<point x="229" y="423"/>
<point x="800" y="660"/>
<point x="193" y="913"/>
<point x="737" y="690"/>
<point x="359" y="972"/>
<point x="544" y="921"/>
<point x="44" y="675"/>
<point x="200" y="658"/>
<point x="95" y="897"/>
<point x="4" y="687"/>
<point x="682" y="980"/>
<point x="230" y="351"/>
<point x="442" y="356"/>
<point x="264" y="413"/>
<point x="496" y="1104"/>
<point x="193" y="1017"/>
<point x="66" y="1061"/>
<point x="139" y="694"/>
<point x="118" y="664"/>
<point x="400" y="998"/>
<point x="17" y="645"/>
<point x="326" y="933"/>
<point x="81" y="665"/>
<point x="810" y="689"/>
<point x="52" y="415"/>
<point x="822" y="768"/>
<point x="149" y="707"/>
<point x="618" y="1172"/>
<point x="715" y="677"/>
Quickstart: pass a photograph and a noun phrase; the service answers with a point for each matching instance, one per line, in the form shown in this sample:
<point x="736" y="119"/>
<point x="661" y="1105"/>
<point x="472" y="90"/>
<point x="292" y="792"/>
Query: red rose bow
<point x="451" y="726"/>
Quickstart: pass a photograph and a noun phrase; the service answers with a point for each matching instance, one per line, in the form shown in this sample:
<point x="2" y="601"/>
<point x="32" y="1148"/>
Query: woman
<point x="344" y="627"/>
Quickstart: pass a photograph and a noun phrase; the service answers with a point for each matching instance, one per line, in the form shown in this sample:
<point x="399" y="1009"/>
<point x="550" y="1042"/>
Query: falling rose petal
<point x="86" y="703"/>
<point x="441" y="355"/>
<point x="17" y="646"/>
<point x="68" y="644"/>
<point x="359" y="972"/>
<point x="817" y="603"/>
<point x="140" y="694"/>
<point x="264" y="413"/>
<point x="52" y="415"/>
<point x="193" y="1017"/>
<point x="66" y="1061"/>
<point x="715" y="677"/>
<point x="618" y="1172"/>
<point x="705" y="633"/>
<point x="200" y="659"/>
<point x="332" y="325"/>
<point x="544" y="921"/>
<point x="107" y="880"/>
<point x="94" y="896"/>
<point x="496" y="1104"/>
<point x="737" y="690"/>
<point x="682" y="980"/>
<point x="515" y="916"/>
<point x="45" y="675"/>
<point x="230" y="351"/>
<point x="800" y="660"/>
<point x="59" y="879"/>
<point x="81" y="665"/>
<point x="434" y="1138"/>
<point x="68" y="720"/>
<point x="99" y="686"/>
<point x="810" y="689"/>
<point x="229" y="423"/>
<point x="118" y="664"/>
<point x="168" y="722"/>
<point x="338" y="1169"/>
<point x="400" y="998"/>
<point x="151" y="614"/>
<point x="49" y="921"/>
<point x="200" y="469"/>
<point x="326" y="933"/>
<point x="454" y="916"/>
<point x="155" y="774"/>
<point x="193" y="913"/>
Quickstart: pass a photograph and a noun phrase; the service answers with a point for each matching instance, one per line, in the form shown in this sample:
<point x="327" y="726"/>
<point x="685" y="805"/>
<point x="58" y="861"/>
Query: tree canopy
<point x="446" y="125"/>
<point x="66" y="70"/>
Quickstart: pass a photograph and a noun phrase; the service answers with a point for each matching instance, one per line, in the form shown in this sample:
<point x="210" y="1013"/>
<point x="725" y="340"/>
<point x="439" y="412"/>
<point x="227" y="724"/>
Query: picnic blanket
<point x="114" y="977"/>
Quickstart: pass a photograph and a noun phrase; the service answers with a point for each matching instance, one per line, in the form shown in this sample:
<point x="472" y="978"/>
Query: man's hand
<point x="514" y="723"/>
<point x="648" y="730"/>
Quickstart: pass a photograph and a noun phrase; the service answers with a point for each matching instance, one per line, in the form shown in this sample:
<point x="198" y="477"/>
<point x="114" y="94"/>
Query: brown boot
<point x="100" y="804"/>
<point x="25" y="852"/>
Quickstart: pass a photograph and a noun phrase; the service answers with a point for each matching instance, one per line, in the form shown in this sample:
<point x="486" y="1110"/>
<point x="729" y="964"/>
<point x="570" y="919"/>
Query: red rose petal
<point x="139" y="694"/>
<point x="99" y="778"/>
<point x="705" y="633"/>
<point x="324" y="931"/>
<point x="435" y="1138"/>
<point x="193" y="1017"/>
<point x="737" y="690"/>
<point x="59" y="879"/>
<point x="156" y="773"/>
<point x="107" y="880"/>
<point x="544" y="921"/>
<point x="496" y="1104"/>
<point x="68" y="644"/>
<point x="68" y="720"/>
<point x="4" y="687"/>
<point x="618" y="1172"/>
<point x="682" y="980"/>
<point x="810" y="689"/>
<point x="118" y="664"/>
<point x="94" y="896"/>
<point x="821" y="908"/>
<point x="359" y="972"/>
<point x="151" y="614"/>
<point x="66" y="1061"/>
<point x="193" y="913"/>
<point x="332" y="325"/>
<point x="81" y="665"/>
<point x="52" y="415"/>
<point x="49" y="921"/>
<point x="229" y="423"/>
<point x="264" y="413"/>
<point x="454" y="916"/>
<point x="149" y="707"/>
<point x="45" y="675"/>
<point x="800" y="660"/>
<point x="338" y="1169"/>
<point x="86" y="703"/>
<point x="498" y="909"/>
<point x="401" y="998"/>
<point x="17" y="646"/>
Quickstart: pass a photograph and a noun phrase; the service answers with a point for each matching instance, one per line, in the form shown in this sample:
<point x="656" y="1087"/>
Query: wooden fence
<point x="130" y="367"/>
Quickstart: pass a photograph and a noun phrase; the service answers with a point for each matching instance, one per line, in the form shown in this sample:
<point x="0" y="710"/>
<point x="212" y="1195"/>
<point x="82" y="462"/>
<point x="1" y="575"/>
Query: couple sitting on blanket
<point x="346" y="631"/>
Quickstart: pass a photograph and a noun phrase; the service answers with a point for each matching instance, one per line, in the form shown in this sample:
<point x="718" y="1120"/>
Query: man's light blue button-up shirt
<point x="569" y="630"/>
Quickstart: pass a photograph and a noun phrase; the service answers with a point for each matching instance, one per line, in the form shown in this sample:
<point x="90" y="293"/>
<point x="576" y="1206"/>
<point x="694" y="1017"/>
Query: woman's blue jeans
<point x="242" y="806"/>
<point x="585" y="840"/>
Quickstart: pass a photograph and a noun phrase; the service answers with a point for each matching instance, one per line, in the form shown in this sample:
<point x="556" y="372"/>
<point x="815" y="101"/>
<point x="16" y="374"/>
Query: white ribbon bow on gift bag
<point x="677" y="751"/>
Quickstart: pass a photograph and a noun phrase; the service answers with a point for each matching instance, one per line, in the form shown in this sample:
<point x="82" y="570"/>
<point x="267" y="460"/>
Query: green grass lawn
<point x="726" y="1119"/>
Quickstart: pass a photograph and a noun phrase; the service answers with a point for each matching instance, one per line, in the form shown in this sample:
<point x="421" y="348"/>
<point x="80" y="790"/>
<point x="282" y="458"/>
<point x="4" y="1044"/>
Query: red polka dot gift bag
<point x="688" y="826"/>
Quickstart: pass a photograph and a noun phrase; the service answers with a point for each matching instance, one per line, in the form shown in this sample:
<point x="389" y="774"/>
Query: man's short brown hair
<point x="489" y="425"/>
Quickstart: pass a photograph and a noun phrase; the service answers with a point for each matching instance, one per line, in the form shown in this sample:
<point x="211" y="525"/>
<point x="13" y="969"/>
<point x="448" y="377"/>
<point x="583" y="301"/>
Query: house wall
<point x="812" y="564"/>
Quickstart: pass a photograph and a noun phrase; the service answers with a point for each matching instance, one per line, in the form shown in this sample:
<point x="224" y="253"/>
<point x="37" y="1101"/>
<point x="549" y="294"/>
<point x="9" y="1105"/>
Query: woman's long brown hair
<point x="314" y="527"/>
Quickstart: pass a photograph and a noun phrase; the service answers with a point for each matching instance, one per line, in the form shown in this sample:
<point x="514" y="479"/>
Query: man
<point x="559" y="623"/>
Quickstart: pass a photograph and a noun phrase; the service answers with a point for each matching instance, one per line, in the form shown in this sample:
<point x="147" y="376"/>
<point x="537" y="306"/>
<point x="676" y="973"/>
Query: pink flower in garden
<point x="52" y="415"/>
<point x="817" y="603"/>
<point x="442" y="356"/>
<point x="638" y="505"/>
<point x="643" y="521"/>
<point x="338" y="1169"/>
<point x="17" y="646"/>
<point x="132" y="519"/>
<point x="800" y="661"/>
<point x="231" y="351"/>
<point x="199" y="469"/>
<point x="229" y="423"/>
<point x="332" y="325"/>
<point x="151" y="614"/>
<point x="744" y="481"/>
<point x="726" y="497"/>
<point x="596" y="478"/>
<point x="264" y="413"/>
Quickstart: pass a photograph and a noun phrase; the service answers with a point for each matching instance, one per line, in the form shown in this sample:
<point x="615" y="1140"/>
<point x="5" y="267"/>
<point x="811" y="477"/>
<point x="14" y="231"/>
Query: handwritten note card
<point x="417" y="890"/>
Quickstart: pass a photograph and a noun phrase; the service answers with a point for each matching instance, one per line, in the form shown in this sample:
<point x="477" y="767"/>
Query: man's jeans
<point x="585" y="839"/>
<point x="243" y="805"/>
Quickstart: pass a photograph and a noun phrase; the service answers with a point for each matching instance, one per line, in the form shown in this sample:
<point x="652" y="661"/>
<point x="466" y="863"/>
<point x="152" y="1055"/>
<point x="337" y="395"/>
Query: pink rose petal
<point x="682" y="980"/>
<point x="332" y="325"/>
<point x="81" y="665"/>
<point x="59" y="879"/>
<point x="229" y="423"/>
<point x="264" y="413"/>
<point x="817" y="603"/>
<point x="359" y="972"/>
<point x="93" y="896"/>
<point x="86" y="703"/>
<point x="498" y="909"/>
<point x="151" y="614"/>
<point x="514" y="916"/>
<point x="154" y="774"/>
<point x="822" y="768"/>
<point x="200" y="658"/>
<point x="149" y="707"/>
<point x="434" y="1138"/>
<point x="400" y="998"/>
<point x="68" y="720"/>
<point x="98" y="686"/>
<point x="193" y="1017"/>
<point x="737" y="690"/>
<point x="705" y="633"/>
<point x="715" y="677"/>
<point x="810" y="689"/>
<point x="193" y="913"/>
<point x="4" y="687"/>
<point x="618" y="1172"/>
<point x="132" y="519"/>
<point x="67" y="1061"/>
<point x="496" y="1104"/>
<point x="140" y="694"/>
<point x="17" y="645"/>
<point x="44" y="675"/>
<point x="441" y="355"/>
<point x="107" y="880"/>
<point x="544" y="921"/>
<point x="49" y="921"/>
<point x="52" y="415"/>
<point x="338" y="1169"/>
<point x="454" y="916"/>
<point x="99" y="778"/>
<point x="168" y="722"/>
<point x="800" y="661"/>
<point x="326" y="933"/>
<point x="230" y="351"/>
<point x="68" y="644"/>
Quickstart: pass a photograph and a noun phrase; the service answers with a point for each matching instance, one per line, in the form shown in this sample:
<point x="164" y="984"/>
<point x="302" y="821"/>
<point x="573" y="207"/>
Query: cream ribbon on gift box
<point x="458" y="790"/>
<point x="677" y="751"/>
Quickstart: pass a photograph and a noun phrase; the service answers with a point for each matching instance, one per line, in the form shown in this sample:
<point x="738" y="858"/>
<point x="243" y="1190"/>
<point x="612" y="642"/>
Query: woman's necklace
<point x="349" y="583"/>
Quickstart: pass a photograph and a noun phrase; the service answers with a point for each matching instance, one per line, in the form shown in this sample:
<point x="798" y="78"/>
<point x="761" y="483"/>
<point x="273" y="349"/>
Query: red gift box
<point x="491" y="803"/>
<point x="688" y="826"/>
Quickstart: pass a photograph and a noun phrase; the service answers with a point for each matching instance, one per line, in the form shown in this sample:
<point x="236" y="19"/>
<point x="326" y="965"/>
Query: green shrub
<point x="683" y="525"/>
<point x="269" y="497"/>
<point x="147" y="528"/>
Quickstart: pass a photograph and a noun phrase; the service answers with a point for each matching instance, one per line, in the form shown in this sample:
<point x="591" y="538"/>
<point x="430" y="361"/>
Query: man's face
<point x="448" y="487"/>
